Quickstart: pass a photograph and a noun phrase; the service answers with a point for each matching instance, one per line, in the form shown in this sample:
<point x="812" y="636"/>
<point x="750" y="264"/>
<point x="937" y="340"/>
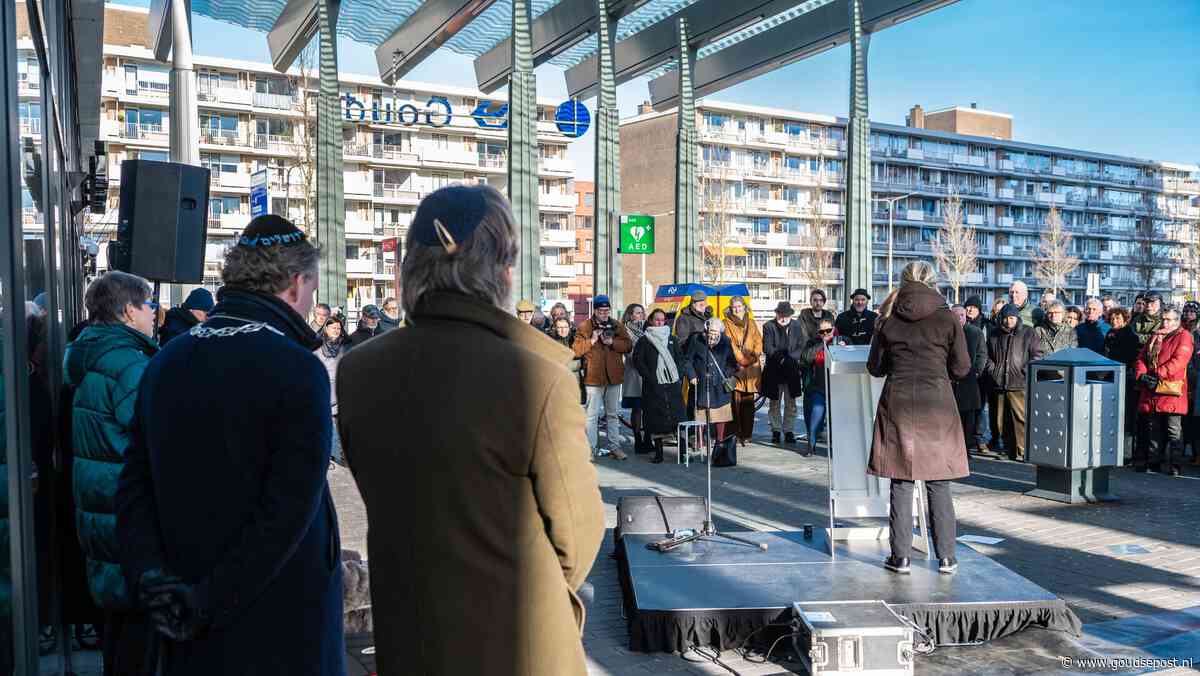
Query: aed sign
<point x="637" y="234"/>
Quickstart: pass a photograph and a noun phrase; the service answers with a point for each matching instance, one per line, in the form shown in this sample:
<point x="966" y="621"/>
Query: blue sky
<point x="1105" y="75"/>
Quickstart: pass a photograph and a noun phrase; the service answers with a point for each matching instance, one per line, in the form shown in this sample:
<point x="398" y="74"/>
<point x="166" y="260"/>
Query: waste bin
<point x="1074" y="424"/>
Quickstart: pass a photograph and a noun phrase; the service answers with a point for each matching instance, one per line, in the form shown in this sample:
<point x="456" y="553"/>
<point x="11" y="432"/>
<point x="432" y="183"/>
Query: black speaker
<point x="163" y="221"/>
<point x="655" y="515"/>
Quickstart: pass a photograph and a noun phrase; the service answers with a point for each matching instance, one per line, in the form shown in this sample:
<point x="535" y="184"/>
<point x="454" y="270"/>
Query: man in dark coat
<point x="1054" y="333"/>
<point x="691" y="319"/>
<point x="1150" y="320"/>
<point x="180" y="320"/>
<point x="966" y="389"/>
<point x="857" y="325"/>
<point x="920" y="348"/>
<point x="975" y="316"/>
<point x="390" y="317"/>
<point x="812" y="315"/>
<point x="368" y="326"/>
<point x="783" y="346"/>
<point x="1010" y="349"/>
<point x="1092" y="330"/>
<point x="230" y="536"/>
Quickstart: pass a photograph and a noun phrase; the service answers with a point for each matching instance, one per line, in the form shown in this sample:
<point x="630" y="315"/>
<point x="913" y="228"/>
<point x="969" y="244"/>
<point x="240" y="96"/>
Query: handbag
<point x="730" y="382"/>
<point x="724" y="452"/>
<point x="1169" y="387"/>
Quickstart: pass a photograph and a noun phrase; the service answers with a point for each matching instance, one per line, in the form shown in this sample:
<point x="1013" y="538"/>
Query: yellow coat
<point x="747" y="342"/>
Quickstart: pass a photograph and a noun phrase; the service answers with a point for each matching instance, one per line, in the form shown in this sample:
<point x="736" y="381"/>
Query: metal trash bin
<point x="1074" y="424"/>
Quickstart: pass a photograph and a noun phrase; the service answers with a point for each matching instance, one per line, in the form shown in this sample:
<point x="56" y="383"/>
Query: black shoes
<point x="807" y="449"/>
<point x="1174" y="471"/>
<point x="896" y="565"/>
<point x="790" y="438"/>
<point x="658" y="453"/>
<point x="947" y="566"/>
<point x="775" y="437"/>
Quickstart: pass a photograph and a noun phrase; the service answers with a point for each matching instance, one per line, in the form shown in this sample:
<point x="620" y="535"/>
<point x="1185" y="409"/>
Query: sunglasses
<point x="151" y="304"/>
<point x="825" y="332"/>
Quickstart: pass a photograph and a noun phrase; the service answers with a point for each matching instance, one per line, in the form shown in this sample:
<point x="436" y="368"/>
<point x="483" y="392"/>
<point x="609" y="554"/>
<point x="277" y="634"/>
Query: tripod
<point x="709" y="530"/>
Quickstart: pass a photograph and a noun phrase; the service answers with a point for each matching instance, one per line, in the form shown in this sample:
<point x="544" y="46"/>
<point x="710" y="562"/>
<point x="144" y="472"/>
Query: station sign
<point x="259" y="198"/>
<point x="571" y="117"/>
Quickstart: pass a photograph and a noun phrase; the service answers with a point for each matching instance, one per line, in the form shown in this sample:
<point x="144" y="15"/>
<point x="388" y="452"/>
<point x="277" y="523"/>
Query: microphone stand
<point x="709" y="530"/>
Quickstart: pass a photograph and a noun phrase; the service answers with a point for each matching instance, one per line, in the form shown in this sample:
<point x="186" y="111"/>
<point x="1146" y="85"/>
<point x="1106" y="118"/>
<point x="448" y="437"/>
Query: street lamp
<point x="891" y="210"/>
<point x="287" y="191"/>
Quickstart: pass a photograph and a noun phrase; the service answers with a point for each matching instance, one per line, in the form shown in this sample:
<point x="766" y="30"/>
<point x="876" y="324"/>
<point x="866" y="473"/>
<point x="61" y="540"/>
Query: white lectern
<point x="857" y="500"/>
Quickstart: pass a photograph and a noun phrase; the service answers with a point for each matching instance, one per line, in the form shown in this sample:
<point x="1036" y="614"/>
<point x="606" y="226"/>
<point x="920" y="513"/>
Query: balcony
<point x="559" y="270"/>
<point x="360" y="266"/>
<point x="275" y="144"/>
<point x="974" y="219"/>
<point x="229" y="179"/>
<point x="448" y="156"/>
<point x="221" y="138"/>
<point x="395" y="191"/>
<point x="358" y="226"/>
<point x="276" y="101"/>
<point x="557" y="200"/>
<point x="392" y="152"/>
<point x="488" y="161"/>
<point x="831" y="209"/>
<point x="354" y="183"/>
<point x="914" y="215"/>
<point x="32" y="126"/>
<point x="550" y="165"/>
<point x="229" y="95"/>
<point x="1004" y="278"/>
<point x="144" y="132"/>
<point x="1004" y="250"/>
<point x="235" y="222"/>
<point x="1005" y="221"/>
<point x="558" y="237"/>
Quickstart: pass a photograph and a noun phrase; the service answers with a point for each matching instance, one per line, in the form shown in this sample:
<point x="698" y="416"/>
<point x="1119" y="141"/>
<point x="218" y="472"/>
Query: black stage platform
<point x="717" y="592"/>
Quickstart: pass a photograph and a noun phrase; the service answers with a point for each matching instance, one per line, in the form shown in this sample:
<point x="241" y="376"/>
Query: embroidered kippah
<point x="448" y="216"/>
<point x="270" y="230"/>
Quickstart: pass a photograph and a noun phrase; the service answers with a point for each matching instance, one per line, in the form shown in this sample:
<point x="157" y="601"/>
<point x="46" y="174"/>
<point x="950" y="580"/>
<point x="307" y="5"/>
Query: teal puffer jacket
<point x="104" y="365"/>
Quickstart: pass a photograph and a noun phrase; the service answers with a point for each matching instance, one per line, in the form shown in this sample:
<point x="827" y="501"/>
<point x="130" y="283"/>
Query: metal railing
<point x="221" y="138"/>
<point x="395" y="191"/>
<point x="276" y="101"/>
<point x="143" y="131"/>
<point x="273" y="143"/>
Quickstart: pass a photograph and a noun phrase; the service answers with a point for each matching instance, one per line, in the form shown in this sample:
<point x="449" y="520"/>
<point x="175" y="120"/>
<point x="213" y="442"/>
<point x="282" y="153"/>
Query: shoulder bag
<point x="730" y="382"/>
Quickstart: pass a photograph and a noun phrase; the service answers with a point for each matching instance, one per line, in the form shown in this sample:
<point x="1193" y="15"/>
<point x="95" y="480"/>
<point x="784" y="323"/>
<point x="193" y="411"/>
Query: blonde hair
<point x="921" y="272"/>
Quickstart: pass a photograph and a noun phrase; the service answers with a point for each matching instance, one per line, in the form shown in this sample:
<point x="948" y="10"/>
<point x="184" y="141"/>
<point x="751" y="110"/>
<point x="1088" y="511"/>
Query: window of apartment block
<point x="271" y="126"/>
<point x="273" y="85"/>
<point x="756" y="259"/>
<point x="144" y="118"/>
<point x="218" y="205"/>
<point x="441" y="142"/>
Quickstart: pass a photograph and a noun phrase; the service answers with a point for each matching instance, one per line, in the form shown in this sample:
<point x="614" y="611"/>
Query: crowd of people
<point x="488" y="494"/>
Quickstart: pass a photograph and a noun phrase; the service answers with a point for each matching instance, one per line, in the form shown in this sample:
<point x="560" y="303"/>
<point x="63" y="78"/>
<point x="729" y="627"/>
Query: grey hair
<point x="478" y="268"/>
<point x="1095" y="300"/>
<point x="269" y="269"/>
<point x="108" y="295"/>
<point x="1172" y="310"/>
<point x="1056" y="305"/>
<point x="714" y="323"/>
<point x="921" y="272"/>
<point x="1018" y="284"/>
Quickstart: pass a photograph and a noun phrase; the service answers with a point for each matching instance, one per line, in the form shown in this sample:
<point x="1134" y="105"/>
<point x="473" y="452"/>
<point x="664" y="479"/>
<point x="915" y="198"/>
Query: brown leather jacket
<point x="603" y="364"/>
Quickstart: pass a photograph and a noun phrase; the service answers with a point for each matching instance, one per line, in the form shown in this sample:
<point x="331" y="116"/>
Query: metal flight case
<point x="852" y="637"/>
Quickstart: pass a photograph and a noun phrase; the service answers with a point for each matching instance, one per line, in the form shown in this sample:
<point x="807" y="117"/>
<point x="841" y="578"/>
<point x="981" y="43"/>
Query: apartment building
<point x="399" y="143"/>
<point x="585" y="234"/>
<point x="771" y="179"/>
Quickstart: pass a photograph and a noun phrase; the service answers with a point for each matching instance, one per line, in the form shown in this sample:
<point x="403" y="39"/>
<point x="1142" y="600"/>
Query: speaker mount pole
<point x="184" y="132"/>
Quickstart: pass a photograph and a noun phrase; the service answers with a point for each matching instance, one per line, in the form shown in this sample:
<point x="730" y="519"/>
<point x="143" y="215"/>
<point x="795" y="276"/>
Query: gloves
<point x="1148" y="381"/>
<point x="177" y="608"/>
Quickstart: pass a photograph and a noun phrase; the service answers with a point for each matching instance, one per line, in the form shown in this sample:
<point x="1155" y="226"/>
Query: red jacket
<point x="1173" y="360"/>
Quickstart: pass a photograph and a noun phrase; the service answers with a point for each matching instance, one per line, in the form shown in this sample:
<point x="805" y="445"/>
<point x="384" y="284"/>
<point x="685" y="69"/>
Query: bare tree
<point x="1145" y="252"/>
<point x="304" y="133"/>
<point x="716" y="234"/>
<point x="1054" y="261"/>
<point x="956" y="250"/>
<point x="820" y="243"/>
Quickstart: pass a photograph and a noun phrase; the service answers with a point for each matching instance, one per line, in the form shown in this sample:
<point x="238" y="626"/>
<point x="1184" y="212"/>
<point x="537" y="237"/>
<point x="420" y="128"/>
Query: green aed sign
<point x="637" y="234"/>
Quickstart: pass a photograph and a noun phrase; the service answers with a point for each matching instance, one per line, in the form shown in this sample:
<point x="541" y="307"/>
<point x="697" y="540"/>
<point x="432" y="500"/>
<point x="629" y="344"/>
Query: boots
<point x="658" y="452"/>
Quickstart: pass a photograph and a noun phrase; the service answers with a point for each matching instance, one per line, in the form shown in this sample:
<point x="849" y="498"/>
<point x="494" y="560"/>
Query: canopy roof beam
<point x="434" y="23"/>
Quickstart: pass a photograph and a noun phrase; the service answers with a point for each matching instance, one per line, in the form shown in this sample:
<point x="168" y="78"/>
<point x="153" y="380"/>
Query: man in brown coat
<point x="484" y="514"/>
<point x="920" y="347"/>
<point x="602" y="341"/>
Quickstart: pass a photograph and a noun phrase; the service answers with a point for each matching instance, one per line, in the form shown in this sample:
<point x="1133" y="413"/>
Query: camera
<point x="606" y="329"/>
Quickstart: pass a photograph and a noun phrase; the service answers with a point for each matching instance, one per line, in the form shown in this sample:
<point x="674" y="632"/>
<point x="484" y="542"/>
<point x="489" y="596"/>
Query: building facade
<point x="585" y="213"/>
<point x="772" y="198"/>
<point x="399" y="144"/>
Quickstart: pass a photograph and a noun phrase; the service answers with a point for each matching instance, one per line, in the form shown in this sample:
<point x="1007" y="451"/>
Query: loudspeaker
<point x="655" y="515"/>
<point x="163" y="221"/>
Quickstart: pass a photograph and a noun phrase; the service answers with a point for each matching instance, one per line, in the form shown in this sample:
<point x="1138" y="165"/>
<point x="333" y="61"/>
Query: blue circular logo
<point x="572" y="119"/>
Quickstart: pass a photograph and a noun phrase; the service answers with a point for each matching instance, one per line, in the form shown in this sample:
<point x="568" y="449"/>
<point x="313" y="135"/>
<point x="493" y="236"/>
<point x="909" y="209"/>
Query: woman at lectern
<point x="920" y="348"/>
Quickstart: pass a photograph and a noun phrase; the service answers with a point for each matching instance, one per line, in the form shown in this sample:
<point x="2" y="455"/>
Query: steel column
<point x="522" y="157"/>
<point x="857" y="259"/>
<point x="687" y="212"/>
<point x="331" y="200"/>
<point x="606" y="268"/>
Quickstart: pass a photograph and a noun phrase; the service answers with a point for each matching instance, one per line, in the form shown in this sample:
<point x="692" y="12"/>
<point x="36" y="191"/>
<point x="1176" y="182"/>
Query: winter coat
<point x="1054" y="338"/>
<point x="331" y="365"/>
<point x="510" y="512"/>
<point x="386" y="323"/>
<point x="856" y="328"/>
<point x="689" y="323"/>
<point x="1193" y="376"/>
<point x="709" y="372"/>
<point x="966" y="389"/>
<point x="1091" y="335"/>
<point x="747" y="342"/>
<point x="105" y="366"/>
<point x="812" y="365"/>
<point x="662" y="404"/>
<point x="919" y="348"/>
<point x="632" y="386"/>
<point x="1145" y="324"/>
<point x="1009" y="354"/>
<point x="1030" y="315"/>
<point x="576" y="365"/>
<point x="362" y="334"/>
<point x="811" y="321"/>
<point x="1122" y="345"/>
<point x="783" y="347"/>
<point x="178" y="321"/>
<point x="1172" y="362"/>
<point x="603" y="364"/>
<point x="224" y="485"/>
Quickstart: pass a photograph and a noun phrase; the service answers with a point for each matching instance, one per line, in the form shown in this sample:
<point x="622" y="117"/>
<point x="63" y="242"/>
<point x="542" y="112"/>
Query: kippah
<point x="448" y="216"/>
<point x="270" y="230"/>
